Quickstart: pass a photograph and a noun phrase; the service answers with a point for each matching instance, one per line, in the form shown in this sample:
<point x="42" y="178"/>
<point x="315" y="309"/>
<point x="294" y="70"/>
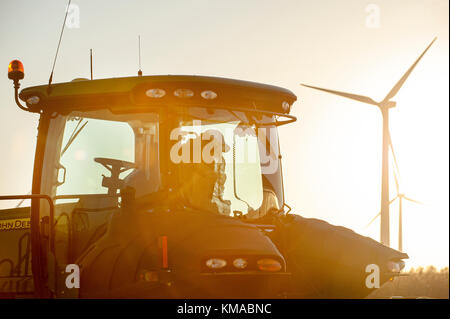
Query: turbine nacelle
<point x="388" y="104"/>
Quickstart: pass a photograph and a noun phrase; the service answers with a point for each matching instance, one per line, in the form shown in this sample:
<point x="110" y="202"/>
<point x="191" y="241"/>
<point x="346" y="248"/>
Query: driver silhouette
<point x="203" y="183"/>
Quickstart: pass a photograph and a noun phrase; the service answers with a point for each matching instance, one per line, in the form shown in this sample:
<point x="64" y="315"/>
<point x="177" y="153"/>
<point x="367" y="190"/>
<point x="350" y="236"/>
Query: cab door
<point x="75" y="181"/>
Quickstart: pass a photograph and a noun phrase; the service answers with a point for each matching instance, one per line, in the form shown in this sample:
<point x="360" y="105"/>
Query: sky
<point x="332" y="154"/>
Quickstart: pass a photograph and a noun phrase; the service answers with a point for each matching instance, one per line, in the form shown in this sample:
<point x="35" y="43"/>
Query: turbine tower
<point x="400" y="196"/>
<point x="384" y="107"/>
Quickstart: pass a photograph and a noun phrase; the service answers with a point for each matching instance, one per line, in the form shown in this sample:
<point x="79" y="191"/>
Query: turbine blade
<point x="393" y="154"/>
<point x="373" y="219"/>
<point x="397" y="186"/>
<point x="412" y="200"/>
<point x="351" y="96"/>
<point x="399" y="84"/>
<point x="379" y="213"/>
<point x="393" y="200"/>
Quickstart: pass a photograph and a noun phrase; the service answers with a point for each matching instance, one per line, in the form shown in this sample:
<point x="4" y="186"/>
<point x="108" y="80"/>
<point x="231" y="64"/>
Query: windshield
<point x="227" y="161"/>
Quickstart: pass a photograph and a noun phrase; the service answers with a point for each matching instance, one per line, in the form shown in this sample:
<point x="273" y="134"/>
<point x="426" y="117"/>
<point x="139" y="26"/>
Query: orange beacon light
<point x="15" y="70"/>
<point x="16" y="73"/>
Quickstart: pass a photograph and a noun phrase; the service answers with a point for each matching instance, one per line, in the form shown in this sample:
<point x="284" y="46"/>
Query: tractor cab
<point x="202" y="150"/>
<point x="164" y="135"/>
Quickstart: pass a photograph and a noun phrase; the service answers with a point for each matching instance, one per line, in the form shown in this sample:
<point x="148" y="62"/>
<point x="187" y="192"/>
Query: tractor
<point x="170" y="186"/>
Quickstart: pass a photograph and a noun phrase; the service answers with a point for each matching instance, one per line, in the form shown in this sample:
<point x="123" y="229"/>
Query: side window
<point x="84" y="140"/>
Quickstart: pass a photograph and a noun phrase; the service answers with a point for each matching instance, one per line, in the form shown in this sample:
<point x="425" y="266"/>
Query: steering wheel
<point x="115" y="167"/>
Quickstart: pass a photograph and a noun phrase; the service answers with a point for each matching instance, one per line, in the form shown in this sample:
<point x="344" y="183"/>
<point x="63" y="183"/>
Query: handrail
<point x="75" y="196"/>
<point x="52" y="212"/>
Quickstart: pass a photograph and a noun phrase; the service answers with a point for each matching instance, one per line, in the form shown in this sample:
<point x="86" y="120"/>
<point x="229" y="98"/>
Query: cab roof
<point x="159" y="91"/>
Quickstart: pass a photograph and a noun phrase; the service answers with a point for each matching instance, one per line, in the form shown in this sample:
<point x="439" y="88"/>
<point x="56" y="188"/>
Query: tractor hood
<point x="129" y="260"/>
<point x="330" y="261"/>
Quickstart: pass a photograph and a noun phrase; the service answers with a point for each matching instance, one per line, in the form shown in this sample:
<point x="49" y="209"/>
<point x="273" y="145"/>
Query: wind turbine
<point x="384" y="107"/>
<point x="400" y="196"/>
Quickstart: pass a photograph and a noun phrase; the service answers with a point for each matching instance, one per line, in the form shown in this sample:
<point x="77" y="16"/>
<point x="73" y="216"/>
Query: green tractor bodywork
<point x="142" y="220"/>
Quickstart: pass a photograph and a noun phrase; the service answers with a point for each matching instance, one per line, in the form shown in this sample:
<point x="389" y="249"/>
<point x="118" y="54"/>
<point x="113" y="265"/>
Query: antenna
<point x="139" y="43"/>
<point x="57" y="49"/>
<point x="92" y="77"/>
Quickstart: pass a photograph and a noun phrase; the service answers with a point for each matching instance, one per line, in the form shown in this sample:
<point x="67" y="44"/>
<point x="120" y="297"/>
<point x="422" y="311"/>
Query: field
<point x="420" y="282"/>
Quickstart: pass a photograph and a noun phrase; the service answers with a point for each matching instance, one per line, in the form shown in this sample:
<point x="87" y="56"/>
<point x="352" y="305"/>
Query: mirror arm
<point x="16" y="96"/>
